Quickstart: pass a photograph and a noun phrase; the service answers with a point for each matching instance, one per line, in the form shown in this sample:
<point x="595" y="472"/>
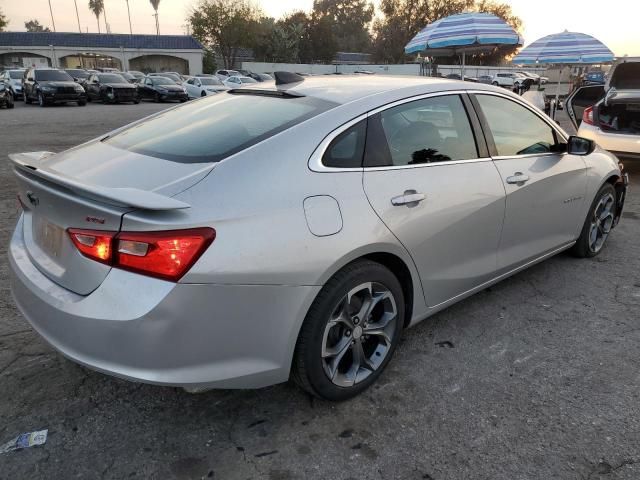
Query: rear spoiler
<point x="32" y="164"/>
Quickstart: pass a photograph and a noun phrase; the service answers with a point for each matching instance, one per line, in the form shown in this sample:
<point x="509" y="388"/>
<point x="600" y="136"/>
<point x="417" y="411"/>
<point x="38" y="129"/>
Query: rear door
<point x="436" y="189"/>
<point x="545" y="187"/>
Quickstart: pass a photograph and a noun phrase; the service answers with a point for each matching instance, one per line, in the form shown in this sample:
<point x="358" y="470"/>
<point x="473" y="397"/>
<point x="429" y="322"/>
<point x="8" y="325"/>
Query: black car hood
<point x="70" y="83"/>
<point x="127" y="86"/>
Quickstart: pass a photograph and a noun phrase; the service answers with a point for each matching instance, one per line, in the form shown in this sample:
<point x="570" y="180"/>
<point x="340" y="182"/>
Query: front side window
<point x="435" y="129"/>
<point x="516" y="130"/>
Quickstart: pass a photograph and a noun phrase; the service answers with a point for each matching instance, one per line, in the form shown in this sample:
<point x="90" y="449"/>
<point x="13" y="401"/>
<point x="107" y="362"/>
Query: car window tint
<point x="429" y="130"/>
<point x="211" y="131"/>
<point x="516" y="130"/>
<point x="347" y="149"/>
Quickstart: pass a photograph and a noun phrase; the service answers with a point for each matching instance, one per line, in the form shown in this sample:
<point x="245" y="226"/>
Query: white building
<point x="149" y="53"/>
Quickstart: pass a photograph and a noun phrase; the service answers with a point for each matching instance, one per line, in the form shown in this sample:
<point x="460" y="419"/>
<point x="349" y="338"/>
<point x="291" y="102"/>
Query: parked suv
<point x="13" y="81"/>
<point x="111" y="88"/>
<point x="511" y="80"/>
<point x="609" y="114"/>
<point x="50" y="85"/>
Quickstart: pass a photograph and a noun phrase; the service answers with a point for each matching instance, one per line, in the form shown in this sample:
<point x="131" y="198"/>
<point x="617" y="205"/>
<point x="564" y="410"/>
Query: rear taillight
<point x="587" y="116"/>
<point x="94" y="244"/>
<point x="167" y="255"/>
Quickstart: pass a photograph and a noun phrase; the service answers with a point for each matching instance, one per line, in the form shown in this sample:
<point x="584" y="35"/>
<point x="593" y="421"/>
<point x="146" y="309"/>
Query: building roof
<point x="98" y="40"/>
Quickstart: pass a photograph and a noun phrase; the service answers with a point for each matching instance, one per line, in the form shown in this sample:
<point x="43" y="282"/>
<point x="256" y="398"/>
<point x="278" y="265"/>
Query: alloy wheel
<point x="359" y="334"/>
<point x="601" y="222"/>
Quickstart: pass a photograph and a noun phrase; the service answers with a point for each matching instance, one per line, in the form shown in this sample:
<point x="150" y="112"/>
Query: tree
<point x="225" y="25"/>
<point x="35" y="26"/>
<point x="280" y="41"/>
<point x="3" y="21"/>
<point x="97" y="7"/>
<point x="155" y="4"/>
<point x="350" y="20"/>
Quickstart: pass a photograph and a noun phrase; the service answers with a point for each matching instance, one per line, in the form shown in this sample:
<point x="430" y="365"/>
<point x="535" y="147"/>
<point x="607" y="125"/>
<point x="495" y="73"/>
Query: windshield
<point x="211" y="130"/>
<point x="210" y="81"/>
<point x="16" y="74"/>
<point x="78" y="73"/>
<point x="248" y="80"/>
<point x="111" y="78"/>
<point x="162" y="81"/>
<point x="52" y="76"/>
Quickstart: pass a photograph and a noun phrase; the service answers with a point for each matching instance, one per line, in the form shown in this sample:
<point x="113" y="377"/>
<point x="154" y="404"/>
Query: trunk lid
<point x="625" y="75"/>
<point x="90" y="187"/>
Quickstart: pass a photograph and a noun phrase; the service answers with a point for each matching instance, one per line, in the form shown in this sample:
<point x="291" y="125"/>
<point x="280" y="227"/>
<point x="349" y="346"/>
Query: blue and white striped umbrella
<point x="465" y="32"/>
<point x="565" y="48"/>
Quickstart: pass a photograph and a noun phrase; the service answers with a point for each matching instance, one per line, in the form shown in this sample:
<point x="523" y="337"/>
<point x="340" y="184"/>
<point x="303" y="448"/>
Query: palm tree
<point x="154" y="4"/>
<point x="97" y="7"/>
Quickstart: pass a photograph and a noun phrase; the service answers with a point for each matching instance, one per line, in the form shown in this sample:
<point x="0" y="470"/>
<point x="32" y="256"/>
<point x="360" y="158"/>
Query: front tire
<point x="598" y="224"/>
<point x="41" y="100"/>
<point x="350" y="332"/>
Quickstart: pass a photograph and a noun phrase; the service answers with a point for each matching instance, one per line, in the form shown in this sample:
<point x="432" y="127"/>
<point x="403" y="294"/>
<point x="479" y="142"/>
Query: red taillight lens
<point x="587" y="116"/>
<point x="167" y="255"/>
<point x="94" y="244"/>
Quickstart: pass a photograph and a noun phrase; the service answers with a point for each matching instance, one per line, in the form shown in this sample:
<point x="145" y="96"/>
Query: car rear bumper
<point x="195" y="336"/>
<point x="625" y="147"/>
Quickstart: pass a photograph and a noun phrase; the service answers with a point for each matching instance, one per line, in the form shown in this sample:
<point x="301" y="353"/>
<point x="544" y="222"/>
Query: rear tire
<point x="338" y="354"/>
<point x="495" y="84"/>
<point x="598" y="224"/>
<point x="82" y="103"/>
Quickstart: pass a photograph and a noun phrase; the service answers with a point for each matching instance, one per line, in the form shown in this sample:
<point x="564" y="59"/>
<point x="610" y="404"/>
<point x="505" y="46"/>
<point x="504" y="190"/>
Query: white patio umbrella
<point x="464" y="33"/>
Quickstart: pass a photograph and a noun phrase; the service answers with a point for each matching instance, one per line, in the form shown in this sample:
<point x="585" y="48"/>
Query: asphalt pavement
<point x="534" y="378"/>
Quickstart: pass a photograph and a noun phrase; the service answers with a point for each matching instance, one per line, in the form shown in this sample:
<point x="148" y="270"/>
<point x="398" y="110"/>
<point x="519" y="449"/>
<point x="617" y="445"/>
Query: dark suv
<point x="49" y="85"/>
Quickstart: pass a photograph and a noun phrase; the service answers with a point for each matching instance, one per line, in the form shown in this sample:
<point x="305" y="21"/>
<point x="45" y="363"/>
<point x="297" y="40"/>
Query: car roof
<point x="344" y="89"/>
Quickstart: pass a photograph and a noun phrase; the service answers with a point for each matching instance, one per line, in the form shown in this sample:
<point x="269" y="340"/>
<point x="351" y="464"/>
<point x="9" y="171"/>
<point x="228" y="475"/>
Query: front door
<point x="425" y="180"/>
<point x="545" y="186"/>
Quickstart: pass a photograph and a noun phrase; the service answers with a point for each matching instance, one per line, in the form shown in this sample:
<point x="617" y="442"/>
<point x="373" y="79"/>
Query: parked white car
<point x="238" y="82"/>
<point x="224" y="74"/>
<point x="511" y="80"/>
<point x="203" y="86"/>
<point x="609" y="114"/>
<point x="13" y="81"/>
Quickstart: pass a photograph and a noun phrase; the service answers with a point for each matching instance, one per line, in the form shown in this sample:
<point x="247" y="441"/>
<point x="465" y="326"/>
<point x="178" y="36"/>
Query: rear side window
<point x="430" y="130"/>
<point x="516" y="130"/>
<point x="213" y="129"/>
<point x="347" y="149"/>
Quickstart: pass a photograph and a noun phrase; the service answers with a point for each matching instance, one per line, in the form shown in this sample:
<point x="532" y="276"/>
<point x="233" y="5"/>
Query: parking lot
<point x="534" y="378"/>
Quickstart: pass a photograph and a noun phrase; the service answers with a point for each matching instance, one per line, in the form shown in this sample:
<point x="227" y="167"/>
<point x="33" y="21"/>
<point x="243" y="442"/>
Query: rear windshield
<point x="52" y="76"/>
<point x="210" y="130"/>
<point x="209" y="81"/>
<point x="111" y="78"/>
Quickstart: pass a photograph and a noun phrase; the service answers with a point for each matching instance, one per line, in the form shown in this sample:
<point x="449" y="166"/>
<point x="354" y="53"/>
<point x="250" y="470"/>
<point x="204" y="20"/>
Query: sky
<point x="614" y="22"/>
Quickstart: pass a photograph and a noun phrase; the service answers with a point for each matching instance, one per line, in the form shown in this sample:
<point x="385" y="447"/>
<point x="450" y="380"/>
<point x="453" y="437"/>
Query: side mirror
<point x="580" y="146"/>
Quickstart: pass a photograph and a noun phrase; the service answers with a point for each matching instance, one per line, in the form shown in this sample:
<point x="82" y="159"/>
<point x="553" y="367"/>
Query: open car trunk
<point x="89" y="188"/>
<point x="620" y="114"/>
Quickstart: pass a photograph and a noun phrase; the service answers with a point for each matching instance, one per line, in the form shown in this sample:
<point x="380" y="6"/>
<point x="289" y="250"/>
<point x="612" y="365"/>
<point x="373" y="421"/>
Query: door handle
<point x="410" y="198"/>
<point x="518" y="178"/>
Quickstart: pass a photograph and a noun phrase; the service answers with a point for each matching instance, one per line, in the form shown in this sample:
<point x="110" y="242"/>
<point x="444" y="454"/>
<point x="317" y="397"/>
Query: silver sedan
<point x="295" y="230"/>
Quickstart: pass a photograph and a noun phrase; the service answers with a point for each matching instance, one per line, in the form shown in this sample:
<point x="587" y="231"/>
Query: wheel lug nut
<point x="348" y="333"/>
